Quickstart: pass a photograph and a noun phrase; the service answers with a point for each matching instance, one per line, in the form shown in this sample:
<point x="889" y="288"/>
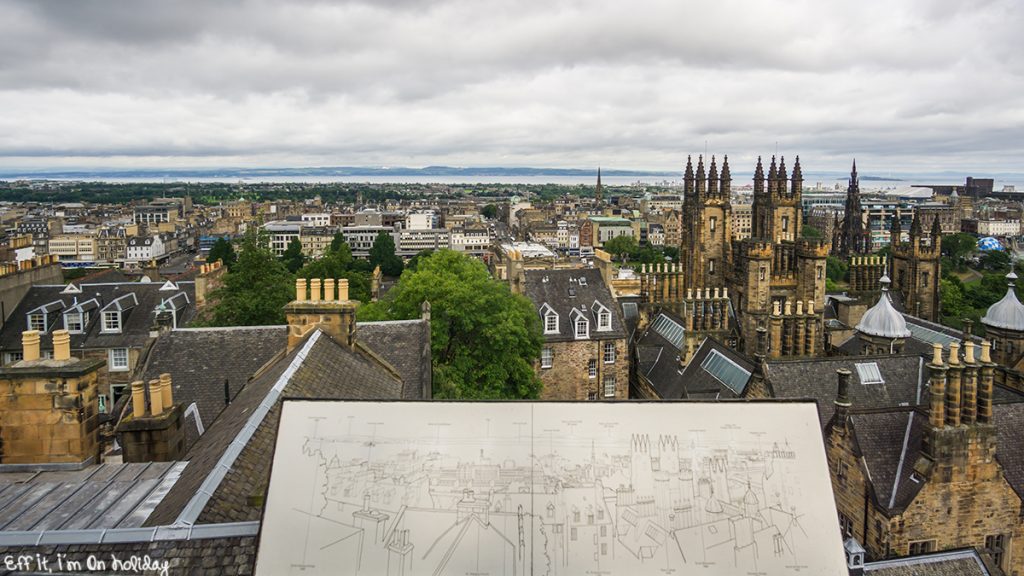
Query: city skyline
<point x="912" y="87"/>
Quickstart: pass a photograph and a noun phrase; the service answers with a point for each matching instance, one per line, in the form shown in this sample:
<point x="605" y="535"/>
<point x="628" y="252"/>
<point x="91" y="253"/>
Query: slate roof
<point x="701" y="383"/>
<point x="135" y="323"/>
<point x="949" y="563"/>
<point x="96" y="497"/>
<point x="891" y="442"/>
<point x="905" y="377"/>
<point x="1009" y="419"/>
<point x="201" y="360"/>
<point x="405" y="344"/>
<point x="563" y="291"/>
<point x="239" y="444"/>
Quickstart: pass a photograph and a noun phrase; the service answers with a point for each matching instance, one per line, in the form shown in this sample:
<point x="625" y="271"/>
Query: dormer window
<point x="550" y="319"/>
<point x="111" y="321"/>
<point x="582" y="328"/>
<point x="74" y="322"/>
<point x="604" y="321"/>
<point x="37" y="321"/>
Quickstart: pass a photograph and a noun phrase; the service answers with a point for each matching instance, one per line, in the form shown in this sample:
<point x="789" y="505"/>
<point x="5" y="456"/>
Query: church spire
<point x="597" y="191"/>
<point x="713" y="189"/>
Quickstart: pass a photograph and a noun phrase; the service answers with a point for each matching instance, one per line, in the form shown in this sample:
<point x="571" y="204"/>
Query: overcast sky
<point x="902" y="85"/>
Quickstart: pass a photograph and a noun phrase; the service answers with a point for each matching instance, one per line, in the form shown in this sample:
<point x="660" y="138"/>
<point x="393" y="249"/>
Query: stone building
<point x="851" y="237"/>
<point x="916" y="268"/>
<point x="585" y="354"/>
<point x="1004" y="325"/>
<point x="915" y="479"/>
<point x="706" y="246"/>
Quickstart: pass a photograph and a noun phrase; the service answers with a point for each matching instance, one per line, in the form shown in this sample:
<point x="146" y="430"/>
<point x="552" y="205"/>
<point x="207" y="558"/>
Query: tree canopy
<point x="489" y="211"/>
<point x="382" y="254"/>
<point x="293" y="258"/>
<point x="224" y="251"/>
<point x="256" y="289"/>
<point x="484" y="338"/>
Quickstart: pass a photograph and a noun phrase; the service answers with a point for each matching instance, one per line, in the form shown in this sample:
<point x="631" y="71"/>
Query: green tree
<point x="957" y="247"/>
<point x="382" y="254"/>
<point x="223" y="250"/>
<point x="811" y="232"/>
<point x="996" y="261"/>
<point x="671" y="252"/>
<point x="255" y="291"/>
<point x="490" y="211"/>
<point x="622" y="247"/>
<point x="837" y="269"/>
<point x="337" y="241"/>
<point x="413" y="262"/>
<point x="484" y="338"/>
<point x="292" y="257"/>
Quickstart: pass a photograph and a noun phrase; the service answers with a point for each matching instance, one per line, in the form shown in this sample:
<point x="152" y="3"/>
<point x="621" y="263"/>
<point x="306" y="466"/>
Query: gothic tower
<point x="706" y="251"/>
<point x="853" y="239"/>
<point x="916" y="271"/>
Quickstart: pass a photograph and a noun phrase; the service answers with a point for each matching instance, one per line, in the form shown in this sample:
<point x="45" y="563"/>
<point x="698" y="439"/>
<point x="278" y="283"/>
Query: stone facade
<point x="568" y="378"/>
<point x="915" y="269"/>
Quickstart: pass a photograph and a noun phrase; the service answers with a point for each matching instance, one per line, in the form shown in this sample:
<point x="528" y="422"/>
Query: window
<point x="921" y="547"/>
<point x="761" y="273"/>
<point x="604" y="321"/>
<point x="73" y="322"/>
<point x="546" y="356"/>
<point x="712" y="223"/>
<point x="118" y="359"/>
<point x="591" y="395"/>
<point x="609" y="386"/>
<point x="551" y="323"/>
<point x="819" y="272"/>
<point x="842" y="473"/>
<point x="609" y="352"/>
<point x="711" y="266"/>
<point x="785" y="223"/>
<point x="845" y="525"/>
<point x="111" y="321"/>
<point x="592" y="368"/>
<point x="869" y="373"/>
<point x="37" y="321"/>
<point x="582" y="328"/>
<point x="996" y="546"/>
<point x="13" y="357"/>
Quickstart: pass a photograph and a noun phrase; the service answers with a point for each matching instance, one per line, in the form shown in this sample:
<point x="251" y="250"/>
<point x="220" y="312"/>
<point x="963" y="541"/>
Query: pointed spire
<point x="915" y="225"/>
<point x="773" y="171"/>
<point x="725" y="169"/>
<point x="797" y="173"/>
<point x="689" y="167"/>
<point x="936" y="228"/>
<point x="713" y="169"/>
<point x="854" y="179"/>
<point x="759" y="171"/>
<point x="700" y="167"/>
<point x="782" y="168"/>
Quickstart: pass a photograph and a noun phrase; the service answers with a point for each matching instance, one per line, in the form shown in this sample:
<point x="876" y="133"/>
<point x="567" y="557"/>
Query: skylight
<point x="869" y="373"/>
<point x="734" y="376"/>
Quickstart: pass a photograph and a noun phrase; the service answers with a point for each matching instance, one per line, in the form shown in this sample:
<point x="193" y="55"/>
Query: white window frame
<point x="585" y="324"/>
<point x="604" y="321"/>
<point x="114" y="366"/>
<point x="608" y="386"/>
<point x="11" y="357"/>
<point x="547" y="358"/>
<point x="108" y="314"/>
<point x="37" y="321"/>
<point x="551" y="317"/>
<point x="609" y="358"/>
<point x="592" y="368"/>
<point x="68" y="322"/>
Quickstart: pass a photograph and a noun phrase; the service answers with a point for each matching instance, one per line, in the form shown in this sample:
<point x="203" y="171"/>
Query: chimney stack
<point x="30" y="345"/>
<point x="61" y="345"/>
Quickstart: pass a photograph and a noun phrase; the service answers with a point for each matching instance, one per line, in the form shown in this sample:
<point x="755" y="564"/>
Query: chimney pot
<point x="954" y="354"/>
<point x="30" y="345"/>
<point x="61" y="345"/>
<point x="799" y="308"/>
<point x="329" y="290"/>
<point x="843" y="395"/>
<point x="937" y="354"/>
<point x="300" y="290"/>
<point x="969" y="353"/>
<point x="343" y="289"/>
<point x="788" y="308"/>
<point x="810" y="306"/>
<point x="167" y="390"/>
<point x="138" y="399"/>
<point x="315" y="293"/>
<point x="156" y="398"/>
<point x="986" y="346"/>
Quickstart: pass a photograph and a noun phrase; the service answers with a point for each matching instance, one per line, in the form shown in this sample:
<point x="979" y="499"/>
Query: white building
<point x="421" y="220"/>
<point x="360" y="238"/>
<point x="145" y="248"/>
<point x="317" y="220"/>
<point x="472" y="241"/>
<point x="281" y="233"/>
<point x="1001" y="228"/>
<point x="73" y="247"/>
<point x="412" y="242"/>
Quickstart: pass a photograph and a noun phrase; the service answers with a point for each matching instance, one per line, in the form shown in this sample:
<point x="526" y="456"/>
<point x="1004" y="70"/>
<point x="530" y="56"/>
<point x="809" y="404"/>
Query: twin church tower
<point x="765" y="294"/>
